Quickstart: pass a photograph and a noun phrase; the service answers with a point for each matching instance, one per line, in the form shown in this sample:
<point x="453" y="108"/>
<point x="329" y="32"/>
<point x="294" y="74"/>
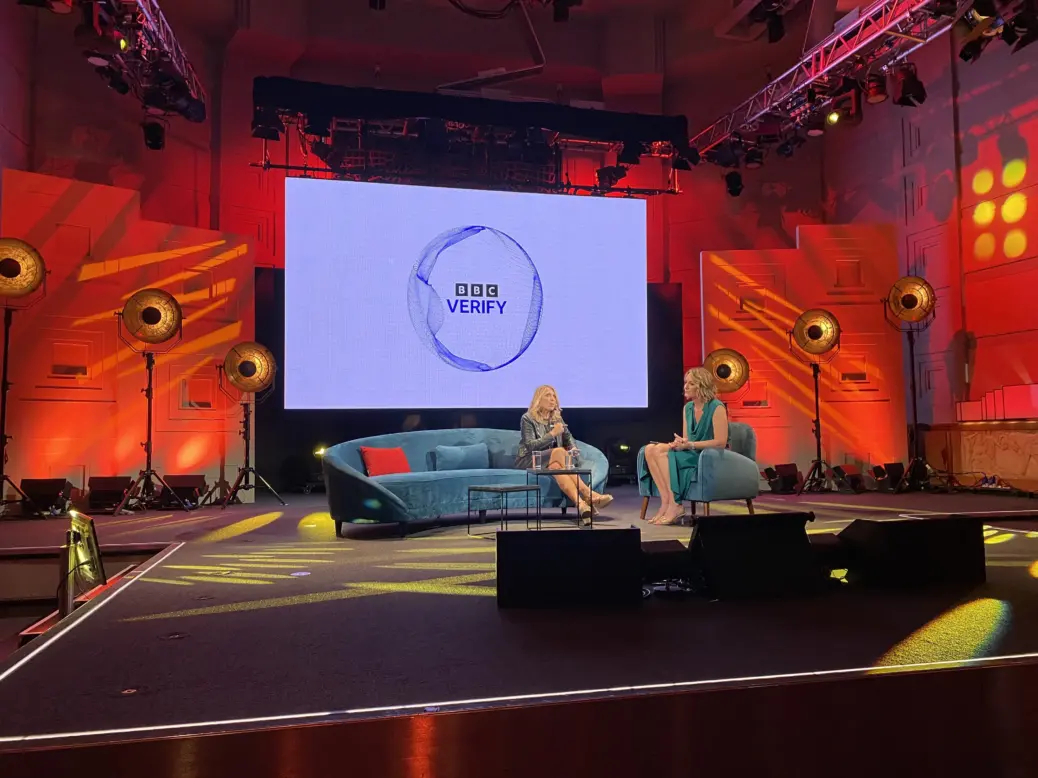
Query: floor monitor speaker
<point x="189" y="488"/>
<point x="908" y="553"/>
<point x="755" y="556"/>
<point x="52" y="496"/>
<point x="558" y="568"/>
<point x="107" y="491"/>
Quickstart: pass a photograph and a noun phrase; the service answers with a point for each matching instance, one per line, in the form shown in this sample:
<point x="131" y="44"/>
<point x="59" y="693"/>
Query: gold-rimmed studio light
<point x="816" y="332"/>
<point x="22" y="271"/>
<point x="912" y="300"/>
<point x="250" y="367"/>
<point x="729" y="368"/>
<point x="152" y="316"/>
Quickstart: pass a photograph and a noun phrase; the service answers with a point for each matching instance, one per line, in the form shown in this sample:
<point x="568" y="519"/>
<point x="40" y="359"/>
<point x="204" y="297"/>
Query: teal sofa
<point x="428" y="493"/>
<point x="724" y="473"/>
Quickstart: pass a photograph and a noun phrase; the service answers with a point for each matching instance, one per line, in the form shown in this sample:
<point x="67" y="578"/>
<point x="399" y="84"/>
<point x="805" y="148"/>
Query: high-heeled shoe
<point x="599" y="501"/>
<point x="585" y="512"/>
<point x="670" y="521"/>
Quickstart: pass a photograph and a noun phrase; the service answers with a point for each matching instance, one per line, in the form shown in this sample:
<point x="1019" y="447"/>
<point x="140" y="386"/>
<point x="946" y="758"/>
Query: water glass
<point x="540" y="459"/>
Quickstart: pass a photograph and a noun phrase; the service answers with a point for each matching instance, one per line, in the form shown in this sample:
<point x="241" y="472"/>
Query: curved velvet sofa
<point x="428" y="493"/>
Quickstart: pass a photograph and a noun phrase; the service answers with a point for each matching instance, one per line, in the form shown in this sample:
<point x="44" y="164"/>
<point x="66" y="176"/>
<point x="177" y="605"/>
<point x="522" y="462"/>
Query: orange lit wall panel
<point x="750" y="300"/>
<point x="77" y="409"/>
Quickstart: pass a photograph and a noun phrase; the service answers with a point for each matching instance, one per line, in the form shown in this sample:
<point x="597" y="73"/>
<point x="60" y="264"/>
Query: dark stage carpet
<point x="260" y="611"/>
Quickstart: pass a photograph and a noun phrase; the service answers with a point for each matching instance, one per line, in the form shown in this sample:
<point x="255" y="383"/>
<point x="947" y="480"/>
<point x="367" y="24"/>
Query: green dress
<point x="685" y="462"/>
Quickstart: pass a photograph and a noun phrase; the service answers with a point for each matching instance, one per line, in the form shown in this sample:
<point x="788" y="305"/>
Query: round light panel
<point x="912" y="299"/>
<point x="22" y="271"/>
<point x="729" y="368"/>
<point x="152" y="316"/>
<point x="816" y="332"/>
<point x="250" y="367"/>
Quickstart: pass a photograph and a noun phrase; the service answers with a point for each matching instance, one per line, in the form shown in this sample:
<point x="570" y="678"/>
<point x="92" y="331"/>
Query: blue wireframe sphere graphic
<point x="475" y="298"/>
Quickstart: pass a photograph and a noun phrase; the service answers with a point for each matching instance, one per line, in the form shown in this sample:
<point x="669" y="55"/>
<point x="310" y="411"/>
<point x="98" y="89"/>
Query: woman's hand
<point x="558" y="429"/>
<point x="680" y="443"/>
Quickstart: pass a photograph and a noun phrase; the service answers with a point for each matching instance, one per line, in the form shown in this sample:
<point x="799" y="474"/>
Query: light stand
<point x="23" y="278"/>
<point x="814" y="340"/>
<point x="911" y="307"/>
<point x="251" y="369"/>
<point x="152" y="316"/>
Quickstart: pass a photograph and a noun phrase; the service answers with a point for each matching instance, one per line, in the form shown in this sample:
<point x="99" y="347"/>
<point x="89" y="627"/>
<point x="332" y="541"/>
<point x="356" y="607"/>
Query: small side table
<point x="580" y="473"/>
<point x="502" y="492"/>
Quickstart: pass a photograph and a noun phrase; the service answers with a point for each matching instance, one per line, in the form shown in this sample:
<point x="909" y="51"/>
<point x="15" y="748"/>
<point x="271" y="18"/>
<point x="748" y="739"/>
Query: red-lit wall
<point x="16" y="38"/>
<point x="76" y="407"/>
<point x="957" y="177"/>
<point x="751" y="300"/>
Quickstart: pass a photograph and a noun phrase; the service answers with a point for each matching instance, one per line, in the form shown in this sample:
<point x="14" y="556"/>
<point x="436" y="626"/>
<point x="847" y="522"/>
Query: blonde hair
<point x="701" y="382"/>
<point x="538" y="395"/>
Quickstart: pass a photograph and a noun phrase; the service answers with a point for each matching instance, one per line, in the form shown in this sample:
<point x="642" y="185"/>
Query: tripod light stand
<point x="815" y="340"/>
<point x="730" y="369"/>
<point x="150" y="317"/>
<point x="250" y="368"/>
<point x="22" y="285"/>
<point x="910" y="307"/>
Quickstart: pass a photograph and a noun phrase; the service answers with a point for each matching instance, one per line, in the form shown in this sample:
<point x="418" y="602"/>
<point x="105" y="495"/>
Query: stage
<point x="258" y="615"/>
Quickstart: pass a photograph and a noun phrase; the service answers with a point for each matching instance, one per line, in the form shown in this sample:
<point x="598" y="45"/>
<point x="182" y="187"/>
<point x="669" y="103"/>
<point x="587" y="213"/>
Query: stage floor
<point x="259" y="613"/>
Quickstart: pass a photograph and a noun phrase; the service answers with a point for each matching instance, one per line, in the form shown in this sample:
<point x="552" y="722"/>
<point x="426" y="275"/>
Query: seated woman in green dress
<point x="673" y="465"/>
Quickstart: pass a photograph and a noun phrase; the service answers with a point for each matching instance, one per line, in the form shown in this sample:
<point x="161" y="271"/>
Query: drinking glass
<point x="540" y="458"/>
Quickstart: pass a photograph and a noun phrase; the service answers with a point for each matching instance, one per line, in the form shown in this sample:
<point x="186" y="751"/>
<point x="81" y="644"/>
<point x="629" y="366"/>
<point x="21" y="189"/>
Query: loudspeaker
<point x="889" y="475"/>
<point x="783" y="479"/>
<point x="50" y="495"/>
<point x="557" y="568"/>
<point x="848" y="479"/>
<point x="665" y="560"/>
<point x="189" y="488"/>
<point x="915" y="552"/>
<point x="107" y="491"/>
<point x="755" y="556"/>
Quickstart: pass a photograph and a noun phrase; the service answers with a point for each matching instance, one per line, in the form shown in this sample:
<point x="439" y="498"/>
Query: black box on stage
<point x="48" y="494"/>
<point x="557" y="568"/>
<point x="189" y="488"/>
<point x="106" y="491"/>
<point x="915" y="552"/>
<point x="665" y="560"/>
<point x="766" y="555"/>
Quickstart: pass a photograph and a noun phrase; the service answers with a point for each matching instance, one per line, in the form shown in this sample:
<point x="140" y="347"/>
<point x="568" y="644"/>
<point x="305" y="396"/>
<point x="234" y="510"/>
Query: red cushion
<point x="384" y="461"/>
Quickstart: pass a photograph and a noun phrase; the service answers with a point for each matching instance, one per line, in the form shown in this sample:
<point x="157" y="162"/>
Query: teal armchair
<point x="724" y="473"/>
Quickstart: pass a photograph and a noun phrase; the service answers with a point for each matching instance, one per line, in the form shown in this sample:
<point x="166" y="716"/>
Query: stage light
<point x="971" y="50"/>
<point x="910" y="307"/>
<point x="815" y="339"/>
<point x="320" y="451"/>
<point x="151" y="317"/>
<point x="267" y="125"/>
<point x="154" y="134"/>
<point x="754" y="158"/>
<point x="911" y="92"/>
<point x="730" y="369"/>
<point x="876" y="89"/>
<point x="608" y="177"/>
<point x="733" y="183"/>
<point x="22" y="277"/>
<point x="630" y="153"/>
<point x="815" y="127"/>
<point x="833" y="117"/>
<point x="114" y="80"/>
<point x="250" y="368"/>
<point x="776" y="27"/>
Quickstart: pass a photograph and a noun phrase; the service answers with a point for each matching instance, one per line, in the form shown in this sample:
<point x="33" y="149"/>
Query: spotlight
<point x="608" y="177"/>
<point x="776" y="27"/>
<point x="789" y="145"/>
<point x="876" y="89"/>
<point x="832" y="118"/>
<point x="815" y="127"/>
<point x="154" y="134"/>
<point x="733" y="183"/>
<point x="114" y="79"/>
<point x="630" y="153"/>
<point x="267" y="125"/>
<point x="754" y="158"/>
<point x="911" y="91"/>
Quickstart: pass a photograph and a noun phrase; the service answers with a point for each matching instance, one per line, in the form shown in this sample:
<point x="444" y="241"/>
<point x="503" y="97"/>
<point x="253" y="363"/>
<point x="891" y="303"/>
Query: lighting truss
<point x="884" y="33"/>
<point x="161" y="38"/>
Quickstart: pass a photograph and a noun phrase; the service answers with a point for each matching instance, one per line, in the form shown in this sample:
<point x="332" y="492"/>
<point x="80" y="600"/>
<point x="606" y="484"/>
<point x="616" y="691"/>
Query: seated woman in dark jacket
<point x="542" y="429"/>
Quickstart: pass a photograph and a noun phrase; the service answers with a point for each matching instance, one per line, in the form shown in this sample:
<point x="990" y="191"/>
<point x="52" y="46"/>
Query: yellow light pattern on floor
<point x="440" y="585"/>
<point x="167" y="581"/>
<point x="447" y="551"/>
<point x="968" y="631"/>
<point x="275" y="559"/>
<point x="239" y="528"/>
<point x="162" y="525"/>
<point x="317" y="526"/>
<point x="995" y="539"/>
<point x="440" y="566"/>
<point x="1033" y="569"/>
<point x="225" y="580"/>
<point x="427" y="587"/>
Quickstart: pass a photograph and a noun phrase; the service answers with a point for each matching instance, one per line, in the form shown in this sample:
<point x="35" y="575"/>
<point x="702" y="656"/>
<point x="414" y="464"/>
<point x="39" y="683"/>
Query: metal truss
<point x="884" y="33"/>
<point x="161" y="39"/>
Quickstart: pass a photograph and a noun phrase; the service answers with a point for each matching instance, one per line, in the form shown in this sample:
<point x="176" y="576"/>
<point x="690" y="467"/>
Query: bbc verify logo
<point x="476" y="298"/>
